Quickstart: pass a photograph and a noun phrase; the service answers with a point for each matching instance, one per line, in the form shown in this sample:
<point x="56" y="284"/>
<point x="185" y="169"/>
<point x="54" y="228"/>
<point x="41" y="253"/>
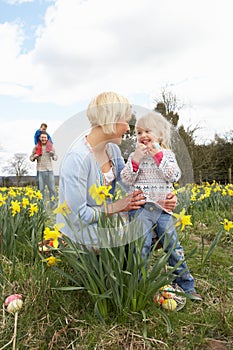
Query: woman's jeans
<point x="160" y="224"/>
<point x="47" y="178"/>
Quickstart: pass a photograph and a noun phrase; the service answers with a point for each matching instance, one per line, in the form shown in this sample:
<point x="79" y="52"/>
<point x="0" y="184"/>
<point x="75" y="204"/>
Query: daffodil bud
<point x="14" y="303"/>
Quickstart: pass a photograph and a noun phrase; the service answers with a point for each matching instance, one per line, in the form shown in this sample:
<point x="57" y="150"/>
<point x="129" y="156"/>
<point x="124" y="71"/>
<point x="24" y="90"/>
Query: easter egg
<point x="158" y="299"/>
<point x="14" y="303"/>
<point x="169" y="304"/>
<point x="167" y="291"/>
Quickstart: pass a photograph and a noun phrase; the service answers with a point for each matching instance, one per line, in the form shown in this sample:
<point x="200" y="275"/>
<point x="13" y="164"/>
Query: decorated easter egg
<point x="169" y="304"/>
<point x="158" y="299"/>
<point x="14" y="303"/>
<point x="167" y="291"/>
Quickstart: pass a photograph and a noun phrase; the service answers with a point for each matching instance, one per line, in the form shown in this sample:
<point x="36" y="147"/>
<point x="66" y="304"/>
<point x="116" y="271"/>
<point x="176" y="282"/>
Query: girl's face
<point x="145" y="136"/>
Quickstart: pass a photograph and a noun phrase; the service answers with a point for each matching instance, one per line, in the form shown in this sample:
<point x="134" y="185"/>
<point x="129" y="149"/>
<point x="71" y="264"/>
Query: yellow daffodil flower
<point x="228" y="225"/>
<point x="182" y="219"/>
<point x="62" y="209"/>
<point x="51" y="260"/>
<point x="53" y="234"/>
<point x="30" y="192"/>
<point x="15" y="207"/>
<point x="2" y="200"/>
<point x="100" y="193"/>
<point x="25" y="202"/>
<point x="38" y="195"/>
<point x="12" y="192"/>
<point x="33" y="209"/>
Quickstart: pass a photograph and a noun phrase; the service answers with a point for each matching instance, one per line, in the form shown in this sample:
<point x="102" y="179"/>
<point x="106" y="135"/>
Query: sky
<point x="58" y="54"/>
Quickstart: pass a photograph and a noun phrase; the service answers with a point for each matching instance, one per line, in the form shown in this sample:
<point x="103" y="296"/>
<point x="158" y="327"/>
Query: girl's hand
<point x="140" y="152"/>
<point x="131" y="202"/>
<point x="153" y="149"/>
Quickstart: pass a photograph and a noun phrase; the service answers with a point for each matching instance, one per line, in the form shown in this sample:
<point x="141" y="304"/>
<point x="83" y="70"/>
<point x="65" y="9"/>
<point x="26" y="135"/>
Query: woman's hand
<point x="169" y="203"/>
<point x="131" y="202"/>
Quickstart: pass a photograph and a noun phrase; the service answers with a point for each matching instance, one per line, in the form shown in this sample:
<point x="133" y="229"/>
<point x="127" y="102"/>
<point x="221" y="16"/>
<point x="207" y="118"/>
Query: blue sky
<point x="57" y="54"/>
<point x="30" y="13"/>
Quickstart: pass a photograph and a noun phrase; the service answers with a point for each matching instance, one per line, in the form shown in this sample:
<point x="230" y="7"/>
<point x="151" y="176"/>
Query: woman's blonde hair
<point x="159" y="127"/>
<point x="108" y="108"/>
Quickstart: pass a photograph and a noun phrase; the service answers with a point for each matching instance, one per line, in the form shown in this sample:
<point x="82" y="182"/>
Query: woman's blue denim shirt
<point x="79" y="171"/>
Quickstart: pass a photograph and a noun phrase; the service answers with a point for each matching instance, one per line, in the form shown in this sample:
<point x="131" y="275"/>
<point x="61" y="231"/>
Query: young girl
<point x="153" y="168"/>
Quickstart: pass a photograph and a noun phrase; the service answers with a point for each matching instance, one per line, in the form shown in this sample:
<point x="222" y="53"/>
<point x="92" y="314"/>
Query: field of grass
<point x="57" y="315"/>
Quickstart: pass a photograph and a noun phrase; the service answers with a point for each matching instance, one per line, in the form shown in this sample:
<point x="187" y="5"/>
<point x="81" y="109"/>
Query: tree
<point x="222" y="156"/>
<point x="168" y="104"/>
<point x="211" y="161"/>
<point x="18" y="166"/>
<point x="129" y="139"/>
<point x="171" y="102"/>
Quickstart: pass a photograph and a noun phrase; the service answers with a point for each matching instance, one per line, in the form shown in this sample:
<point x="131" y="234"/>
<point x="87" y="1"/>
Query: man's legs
<point x="41" y="182"/>
<point x="51" y="187"/>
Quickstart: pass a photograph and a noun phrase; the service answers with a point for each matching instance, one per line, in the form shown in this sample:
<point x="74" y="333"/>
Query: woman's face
<point x="121" y="128"/>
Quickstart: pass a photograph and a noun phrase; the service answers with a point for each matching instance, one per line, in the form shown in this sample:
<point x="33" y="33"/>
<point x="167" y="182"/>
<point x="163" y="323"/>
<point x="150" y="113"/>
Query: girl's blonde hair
<point x="107" y="109"/>
<point x="159" y="127"/>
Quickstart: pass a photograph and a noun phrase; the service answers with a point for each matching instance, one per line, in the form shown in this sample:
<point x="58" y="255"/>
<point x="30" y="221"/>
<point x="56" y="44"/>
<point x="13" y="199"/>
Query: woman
<point x="96" y="159"/>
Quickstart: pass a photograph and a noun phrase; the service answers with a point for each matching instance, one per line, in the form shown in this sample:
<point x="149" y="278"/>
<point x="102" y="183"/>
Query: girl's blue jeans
<point x="156" y="222"/>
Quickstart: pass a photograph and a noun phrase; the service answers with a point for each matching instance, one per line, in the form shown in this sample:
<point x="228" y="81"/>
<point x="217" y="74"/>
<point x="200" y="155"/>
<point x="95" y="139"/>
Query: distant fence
<point x="10" y="181"/>
<point x="223" y="176"/>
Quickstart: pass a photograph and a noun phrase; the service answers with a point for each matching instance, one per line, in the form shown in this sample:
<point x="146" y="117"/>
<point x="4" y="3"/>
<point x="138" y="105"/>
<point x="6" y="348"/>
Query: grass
<point x="54" y="319"/>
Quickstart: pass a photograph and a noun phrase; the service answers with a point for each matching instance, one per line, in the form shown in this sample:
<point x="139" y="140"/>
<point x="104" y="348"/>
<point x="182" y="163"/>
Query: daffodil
<point x="52" y="260"/>
<point x="62" y="209"/>
<point x="15" y="207"/>
<point x="30" y="192"/>
<point x="25" y="202"/>
<point x="33" y="209"/>
<point x="227" y="225"/>
<point x="38" y="195"/>
<point x="2" y="200"/>
<point x="100" y="193"/>
<point x="12" y="192"/>
<point x="182" y="219"/>
<point x="53" y="234"/>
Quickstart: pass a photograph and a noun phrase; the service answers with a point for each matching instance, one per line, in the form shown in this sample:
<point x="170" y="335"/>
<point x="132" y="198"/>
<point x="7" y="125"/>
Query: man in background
<point x="41" y="130"/>
<point x="44" y="153"/>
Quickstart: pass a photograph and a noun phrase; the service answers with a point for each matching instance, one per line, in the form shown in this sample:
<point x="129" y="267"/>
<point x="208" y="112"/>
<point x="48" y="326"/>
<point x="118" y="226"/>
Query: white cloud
<point x="109" y="43"/>
<point x="83" y="43"/>
<point x="134" y="47"/>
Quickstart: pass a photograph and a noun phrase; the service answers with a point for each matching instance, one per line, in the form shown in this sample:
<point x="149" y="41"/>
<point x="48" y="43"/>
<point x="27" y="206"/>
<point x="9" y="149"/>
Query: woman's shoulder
<point x="78" y="152"/>
<point x="79" y="146"/>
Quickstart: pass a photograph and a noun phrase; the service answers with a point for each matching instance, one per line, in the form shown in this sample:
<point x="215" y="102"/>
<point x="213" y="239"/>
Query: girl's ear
<point x="160" y="140"/>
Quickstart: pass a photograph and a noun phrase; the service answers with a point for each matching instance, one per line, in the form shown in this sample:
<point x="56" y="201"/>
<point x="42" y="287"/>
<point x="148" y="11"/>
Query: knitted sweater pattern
<point x="155" y="180"/>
